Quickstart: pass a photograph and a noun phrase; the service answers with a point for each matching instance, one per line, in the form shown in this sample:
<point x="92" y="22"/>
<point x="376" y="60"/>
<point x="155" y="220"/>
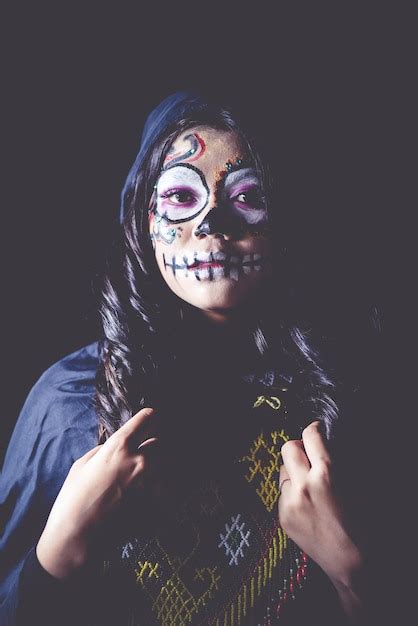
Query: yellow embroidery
<point x="175" y="605"/>
<point x="272" y="401"/>
<point x="244" y="592"/>
<point x="146" y="567"/>
<point x="271" y="561"/>
<point x="263" y="461"/>
<point x="274" y="551"/>
<point x="259" y="580"/>
<point x="173" y="602"/>
<point x="282" y="541"/>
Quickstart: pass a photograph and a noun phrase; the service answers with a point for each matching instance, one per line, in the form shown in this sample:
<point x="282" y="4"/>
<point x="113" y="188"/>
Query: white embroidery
<point x="234" y="539"/>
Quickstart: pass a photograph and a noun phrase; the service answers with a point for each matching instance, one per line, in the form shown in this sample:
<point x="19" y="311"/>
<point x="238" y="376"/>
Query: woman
<point x="210" y="497"/>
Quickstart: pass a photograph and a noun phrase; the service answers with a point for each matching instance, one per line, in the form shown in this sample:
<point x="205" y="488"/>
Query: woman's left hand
<point x="311" y="513"/>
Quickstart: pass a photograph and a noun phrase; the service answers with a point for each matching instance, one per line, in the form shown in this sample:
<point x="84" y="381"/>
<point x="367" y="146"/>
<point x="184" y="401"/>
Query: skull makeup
<point x="208" y="221"/>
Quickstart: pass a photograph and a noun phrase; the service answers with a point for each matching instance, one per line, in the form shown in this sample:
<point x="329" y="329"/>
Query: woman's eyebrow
<point x="247" y="174"/>
<point x="247" y="177"/>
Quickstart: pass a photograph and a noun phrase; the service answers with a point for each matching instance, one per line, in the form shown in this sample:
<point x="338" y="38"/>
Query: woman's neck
<point x="228" y="344"/>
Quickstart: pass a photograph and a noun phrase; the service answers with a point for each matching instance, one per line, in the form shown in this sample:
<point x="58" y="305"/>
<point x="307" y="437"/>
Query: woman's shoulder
<point x="59" y="412"/>
<point x="70" y="379"/>
<point x="77" y="367"/>
<point x="57" y="425"/>
<point x="65" y="390"/>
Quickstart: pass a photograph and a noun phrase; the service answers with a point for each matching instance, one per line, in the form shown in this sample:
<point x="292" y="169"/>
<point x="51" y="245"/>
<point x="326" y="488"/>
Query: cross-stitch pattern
<point x="175" y="604"/>
<point x="208" y="563"/>
<point x="235" y="539"/>
<point x="263" y="466"/>
<point x="146" y="570"/>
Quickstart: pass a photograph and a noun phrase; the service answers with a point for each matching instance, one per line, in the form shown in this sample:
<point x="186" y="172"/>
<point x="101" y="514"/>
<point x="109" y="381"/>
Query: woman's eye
<point x="179" y="197"/>
<point x="251" y="197"/>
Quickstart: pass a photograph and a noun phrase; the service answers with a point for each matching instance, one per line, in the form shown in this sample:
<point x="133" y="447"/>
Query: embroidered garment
<point x="211" y="554"/>
<point x="219" y="556"/>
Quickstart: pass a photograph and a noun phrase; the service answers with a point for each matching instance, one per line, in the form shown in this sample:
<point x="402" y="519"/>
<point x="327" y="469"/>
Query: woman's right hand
<point x="93" y="490"/>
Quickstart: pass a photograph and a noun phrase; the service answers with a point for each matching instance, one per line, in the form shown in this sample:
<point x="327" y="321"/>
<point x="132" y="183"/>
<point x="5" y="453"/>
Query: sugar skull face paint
<point x="208" y="221"/>
<point x="183" y="193"/>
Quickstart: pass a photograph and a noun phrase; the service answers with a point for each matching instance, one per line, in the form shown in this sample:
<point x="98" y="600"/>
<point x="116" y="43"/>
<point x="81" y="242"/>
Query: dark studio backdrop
<point x="77" y="85"/>
<point x="335" y="82"/>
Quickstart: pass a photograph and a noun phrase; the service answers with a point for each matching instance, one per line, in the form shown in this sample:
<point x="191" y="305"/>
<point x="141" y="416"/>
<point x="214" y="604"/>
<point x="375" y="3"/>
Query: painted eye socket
<point x="181" y="193"/>
<point x="244" y="193"/>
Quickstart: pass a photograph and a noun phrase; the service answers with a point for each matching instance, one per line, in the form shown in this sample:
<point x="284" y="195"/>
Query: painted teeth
<point x="203" y="257"/>
<point x="204" y="273"/>
<point x="235" y="266"/>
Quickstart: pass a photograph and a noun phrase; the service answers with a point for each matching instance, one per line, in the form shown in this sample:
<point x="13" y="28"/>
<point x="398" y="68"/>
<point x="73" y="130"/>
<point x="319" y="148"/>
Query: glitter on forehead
<point x="236" y="163"/>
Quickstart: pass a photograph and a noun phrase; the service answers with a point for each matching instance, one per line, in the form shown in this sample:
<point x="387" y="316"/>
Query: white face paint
<point x="242" y="193"/>
<point x="221" y="266"/>
<point x="182" y="193"/>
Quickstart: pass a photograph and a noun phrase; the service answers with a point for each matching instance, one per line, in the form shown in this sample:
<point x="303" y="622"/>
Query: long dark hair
<point x="140" y="314"/>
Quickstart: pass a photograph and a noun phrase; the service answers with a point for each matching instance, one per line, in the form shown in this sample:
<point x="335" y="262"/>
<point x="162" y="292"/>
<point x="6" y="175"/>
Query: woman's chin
<point x="220" y="295"/>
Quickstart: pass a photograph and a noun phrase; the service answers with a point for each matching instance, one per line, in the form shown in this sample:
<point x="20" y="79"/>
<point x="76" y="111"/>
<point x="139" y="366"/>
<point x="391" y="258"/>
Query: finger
<point x="148" y="445"/>
<point x="149" y="456"/>
<point x="283" y="477"/>
<point x="143" y="425"/>
<point x="314" y="443"/>
<point x="295" y="460"/>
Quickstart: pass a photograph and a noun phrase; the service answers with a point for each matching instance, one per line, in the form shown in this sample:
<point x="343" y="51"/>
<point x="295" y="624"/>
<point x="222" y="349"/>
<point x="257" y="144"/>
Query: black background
<point x="77" y="83"/>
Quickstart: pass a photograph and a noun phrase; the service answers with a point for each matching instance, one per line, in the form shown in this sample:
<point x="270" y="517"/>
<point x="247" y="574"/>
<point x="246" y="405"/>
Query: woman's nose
<point x="218" y="222"/>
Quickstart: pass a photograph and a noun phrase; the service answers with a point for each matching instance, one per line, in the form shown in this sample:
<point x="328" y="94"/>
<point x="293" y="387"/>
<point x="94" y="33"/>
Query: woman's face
<point x="208" y="221"/>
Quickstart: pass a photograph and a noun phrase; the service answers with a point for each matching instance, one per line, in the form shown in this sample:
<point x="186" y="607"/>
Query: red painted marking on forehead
<point x="194" y="153"/>
<point x="200" y="150"/>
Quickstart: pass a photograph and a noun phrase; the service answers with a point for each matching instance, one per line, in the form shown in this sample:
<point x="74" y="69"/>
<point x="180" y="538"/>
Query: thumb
<point x="86" y="457"/>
